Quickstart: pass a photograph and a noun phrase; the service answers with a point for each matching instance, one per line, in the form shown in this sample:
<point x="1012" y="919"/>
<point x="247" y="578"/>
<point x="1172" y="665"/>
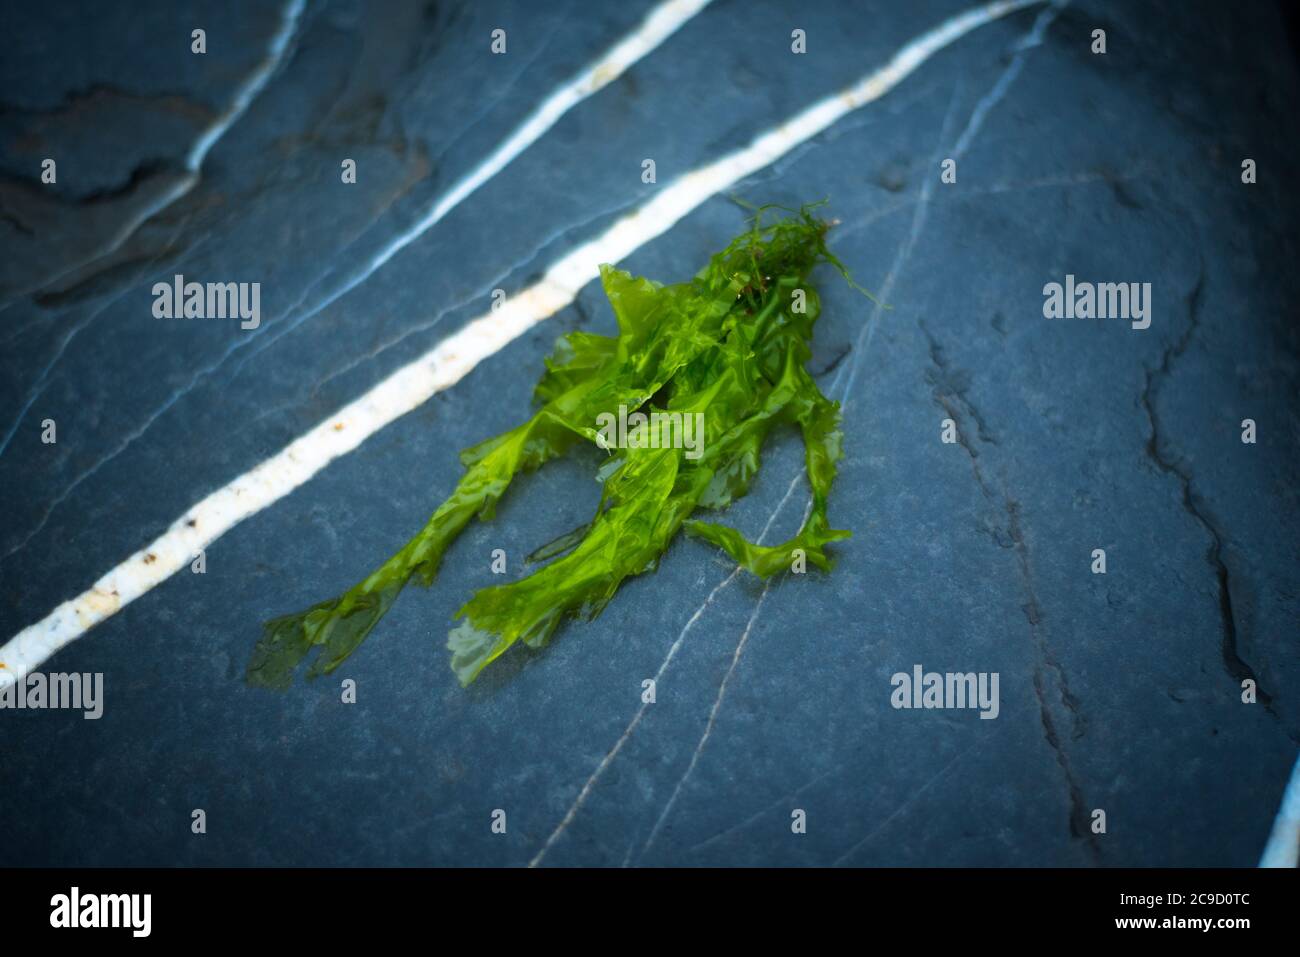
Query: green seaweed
<point x="731" y="343"/>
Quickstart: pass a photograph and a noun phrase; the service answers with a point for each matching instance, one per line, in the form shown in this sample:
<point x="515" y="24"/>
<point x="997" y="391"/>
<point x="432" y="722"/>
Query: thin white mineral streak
<point x="1283" y="848"/>
<point x="658" y="26"/>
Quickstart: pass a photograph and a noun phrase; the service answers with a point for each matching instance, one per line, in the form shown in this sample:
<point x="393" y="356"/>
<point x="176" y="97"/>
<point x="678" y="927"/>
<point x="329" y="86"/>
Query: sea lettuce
<point x="732" y="344"/>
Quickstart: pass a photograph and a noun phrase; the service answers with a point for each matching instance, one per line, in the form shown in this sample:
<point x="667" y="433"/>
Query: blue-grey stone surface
<point x="1120" y="692"/>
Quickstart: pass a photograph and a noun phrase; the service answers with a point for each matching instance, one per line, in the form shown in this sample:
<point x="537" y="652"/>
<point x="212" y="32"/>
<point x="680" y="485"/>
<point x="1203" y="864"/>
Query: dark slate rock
<point x="1119" y="692"/>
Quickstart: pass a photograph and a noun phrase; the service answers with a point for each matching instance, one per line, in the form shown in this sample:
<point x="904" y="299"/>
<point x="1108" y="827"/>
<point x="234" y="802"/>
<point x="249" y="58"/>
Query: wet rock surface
<point x="1119" y="691"/>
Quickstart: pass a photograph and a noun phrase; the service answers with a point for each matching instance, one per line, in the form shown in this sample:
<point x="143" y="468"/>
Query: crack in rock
<point x="1045" y="661"/>
<point x="954" y="382"/>
<point x="835" y="362"/>
<point x="951" y="388"/>
<point x="1236" y="667"/>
